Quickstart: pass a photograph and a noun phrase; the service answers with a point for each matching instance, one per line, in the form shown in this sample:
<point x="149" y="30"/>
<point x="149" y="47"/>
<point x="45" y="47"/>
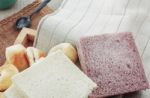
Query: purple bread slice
<point x="113" y="62"/>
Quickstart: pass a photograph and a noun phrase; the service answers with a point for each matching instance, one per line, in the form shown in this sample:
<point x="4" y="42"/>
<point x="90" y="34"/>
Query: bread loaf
<point x="113" y="62"/>
<point x="54" y="77"/>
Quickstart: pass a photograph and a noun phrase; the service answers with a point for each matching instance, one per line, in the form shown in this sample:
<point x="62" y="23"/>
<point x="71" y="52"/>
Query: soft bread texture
<point x="113" y="62"/>
<point x="13" y="92"/>
<point x="6" y="73"/>
<point x="54" y="77"/>
<point x="67" y="49"/>
<point x="16" y="55"/>
<point x="33" y="55"/>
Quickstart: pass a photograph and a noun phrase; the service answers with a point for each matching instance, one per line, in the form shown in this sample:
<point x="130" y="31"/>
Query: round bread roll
<point x="33" y="55"/>
<point x="6" y="73"/>
<point x="68" y="50"/>
<point x="16" y="55"/>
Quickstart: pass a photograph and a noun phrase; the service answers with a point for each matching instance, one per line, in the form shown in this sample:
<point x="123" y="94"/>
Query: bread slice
<point x="113" y="62"/>
<point x="54" y="77"/>
<point x="12" y="92"/>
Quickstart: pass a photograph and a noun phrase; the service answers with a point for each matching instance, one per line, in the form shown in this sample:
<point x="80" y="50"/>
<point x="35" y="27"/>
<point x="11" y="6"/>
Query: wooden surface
<point x="8" y="32"/>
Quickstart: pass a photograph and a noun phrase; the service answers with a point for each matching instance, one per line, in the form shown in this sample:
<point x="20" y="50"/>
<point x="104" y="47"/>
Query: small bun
<point x="67" y="49"/>
<point x="6" y="73"/>
<point x="16" y="55"/>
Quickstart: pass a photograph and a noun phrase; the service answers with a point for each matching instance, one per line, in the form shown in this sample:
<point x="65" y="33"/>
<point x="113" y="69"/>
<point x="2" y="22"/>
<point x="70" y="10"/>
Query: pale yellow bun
<point x="6" y="73"/>
<point x="33" y="55"/>
<point x="67" y="49"/>
<point x="16" y="55"/>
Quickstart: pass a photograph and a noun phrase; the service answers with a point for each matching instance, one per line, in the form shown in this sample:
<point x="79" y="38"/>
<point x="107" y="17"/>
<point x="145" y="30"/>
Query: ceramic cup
<point x="4" y="4"/>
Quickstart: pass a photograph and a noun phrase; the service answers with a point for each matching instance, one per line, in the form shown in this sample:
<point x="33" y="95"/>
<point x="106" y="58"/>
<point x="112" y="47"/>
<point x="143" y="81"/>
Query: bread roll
<point x="67" y="49"/>
<point x="33" y="55"/>
<point x="16" y="55"/>
<point x="6" y="73"/>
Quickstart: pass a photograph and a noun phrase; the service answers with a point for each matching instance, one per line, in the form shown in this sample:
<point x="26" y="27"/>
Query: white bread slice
<point x="54" y="77"/>
<point x="12" y="92"/>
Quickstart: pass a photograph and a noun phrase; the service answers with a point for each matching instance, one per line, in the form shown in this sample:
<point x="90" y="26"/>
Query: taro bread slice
<point x="113" y="62"/>
<point x="54" y="77"/>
